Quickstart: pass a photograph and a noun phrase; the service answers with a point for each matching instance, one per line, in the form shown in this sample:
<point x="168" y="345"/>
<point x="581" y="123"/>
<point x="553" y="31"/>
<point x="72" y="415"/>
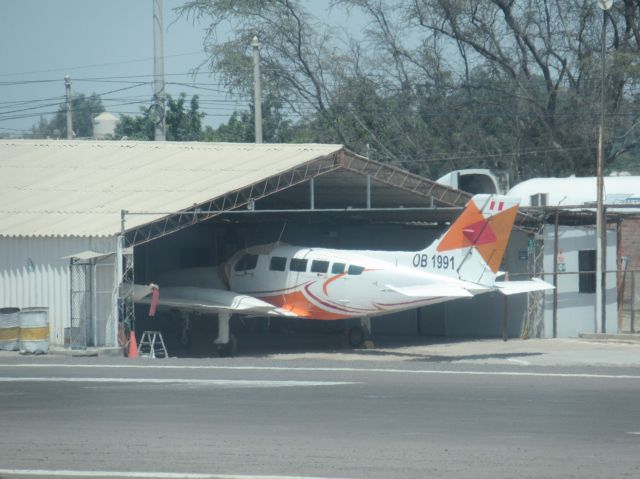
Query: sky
<point x="104" y="46"/>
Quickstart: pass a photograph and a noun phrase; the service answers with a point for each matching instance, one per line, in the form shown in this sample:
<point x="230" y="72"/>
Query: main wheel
<point x="229" y="349"/>
<point x="355" y="337"/>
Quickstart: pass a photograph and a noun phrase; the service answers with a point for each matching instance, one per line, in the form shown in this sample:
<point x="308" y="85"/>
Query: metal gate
<point x="93" y="293"/>
<point x="81" y="289"/>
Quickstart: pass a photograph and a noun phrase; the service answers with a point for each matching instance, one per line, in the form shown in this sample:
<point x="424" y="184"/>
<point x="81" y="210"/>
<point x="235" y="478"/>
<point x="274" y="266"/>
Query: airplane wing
<point x="208" y="300"/>
<point x="432" y="291"/>
<point x="514" y="287"/>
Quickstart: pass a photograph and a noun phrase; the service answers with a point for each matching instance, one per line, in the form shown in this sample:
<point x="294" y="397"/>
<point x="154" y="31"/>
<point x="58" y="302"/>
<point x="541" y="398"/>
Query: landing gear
<point x="225" y="344"/>
<point x="359" y="336"/>
<point x="355" y="337"/>
<point x="185" y="336"/>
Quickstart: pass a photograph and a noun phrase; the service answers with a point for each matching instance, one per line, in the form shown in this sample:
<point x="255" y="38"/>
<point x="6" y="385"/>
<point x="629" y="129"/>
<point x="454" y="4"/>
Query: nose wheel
<point x="359" y="336"/>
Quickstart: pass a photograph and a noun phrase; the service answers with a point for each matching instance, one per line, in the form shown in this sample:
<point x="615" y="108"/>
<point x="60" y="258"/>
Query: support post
<point x="601" y="226"/>
<point x="633" y="301"/>
<point x="312" y="194"/>
<point x="555" y="274"/>
<point x="67" y="88"/>
<point x="158" y="72"/>
<point x="368" y="191"/>
<point x="257" y="94"/>
<point x="505" y="317"/>
<point x="619" y="279"/>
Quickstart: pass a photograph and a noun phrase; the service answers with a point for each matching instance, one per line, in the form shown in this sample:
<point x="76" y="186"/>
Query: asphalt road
<point x="315" y="417"/>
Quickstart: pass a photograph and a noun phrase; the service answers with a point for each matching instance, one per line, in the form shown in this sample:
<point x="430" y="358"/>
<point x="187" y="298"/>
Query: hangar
<point x="81" y="220"/>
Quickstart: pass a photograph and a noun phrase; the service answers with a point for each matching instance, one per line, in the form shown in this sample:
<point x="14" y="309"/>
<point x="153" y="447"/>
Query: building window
<point x="298" y="264"/>
<point x="318" y="266"/>
<point x="278" y="263"/>
<point x="586" y="267"/>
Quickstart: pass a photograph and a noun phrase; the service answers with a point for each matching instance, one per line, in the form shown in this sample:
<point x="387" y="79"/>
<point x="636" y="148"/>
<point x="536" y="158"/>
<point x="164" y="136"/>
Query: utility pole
<point x="158" y="71"/>
<point x="67" y="87"/>
<point x="601" y="226"/>
<point x="257" y="100"/>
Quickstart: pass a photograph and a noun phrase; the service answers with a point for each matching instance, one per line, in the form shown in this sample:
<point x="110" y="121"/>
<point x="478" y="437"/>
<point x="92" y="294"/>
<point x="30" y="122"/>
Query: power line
<point x="96" y="65"/>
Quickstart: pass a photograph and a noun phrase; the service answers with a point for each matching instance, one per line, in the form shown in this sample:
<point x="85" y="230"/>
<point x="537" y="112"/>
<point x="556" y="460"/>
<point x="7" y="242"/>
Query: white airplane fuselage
<point x="331" y="284"/>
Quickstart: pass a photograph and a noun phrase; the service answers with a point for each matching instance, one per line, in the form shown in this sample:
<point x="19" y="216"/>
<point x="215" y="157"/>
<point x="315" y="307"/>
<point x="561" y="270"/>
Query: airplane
<point x="278" y="279"/>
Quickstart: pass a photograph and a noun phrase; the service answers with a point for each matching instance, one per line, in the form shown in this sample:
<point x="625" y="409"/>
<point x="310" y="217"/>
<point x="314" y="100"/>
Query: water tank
<point x="104" y="126"/>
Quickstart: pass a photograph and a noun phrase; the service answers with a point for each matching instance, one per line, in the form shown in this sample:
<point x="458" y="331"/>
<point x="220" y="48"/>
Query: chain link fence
<point x="629" y="296"/>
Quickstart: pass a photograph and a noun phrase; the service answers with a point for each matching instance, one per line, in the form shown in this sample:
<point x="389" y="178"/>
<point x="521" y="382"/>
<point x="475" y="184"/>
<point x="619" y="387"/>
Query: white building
<point x="575" y="197"/>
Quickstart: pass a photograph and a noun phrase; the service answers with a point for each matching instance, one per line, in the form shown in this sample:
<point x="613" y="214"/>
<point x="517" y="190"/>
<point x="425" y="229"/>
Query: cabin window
<point x="318" y="266"/>
<point x="298" y="264"/>
<point x="338" y="268"/>
<point x="278" y="263"/>
<point x="587" y="266"/>
<point x="353" y="269"/>
<point x="246" y="263"/>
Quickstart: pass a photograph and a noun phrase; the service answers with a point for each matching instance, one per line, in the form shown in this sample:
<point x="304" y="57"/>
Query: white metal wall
<point x="34" y="273"/>
<point x="577" y="311"/>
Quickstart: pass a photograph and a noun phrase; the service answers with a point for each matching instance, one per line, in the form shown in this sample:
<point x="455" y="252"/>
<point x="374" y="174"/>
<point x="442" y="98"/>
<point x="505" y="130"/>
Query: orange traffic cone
<point x="133" y="346"/>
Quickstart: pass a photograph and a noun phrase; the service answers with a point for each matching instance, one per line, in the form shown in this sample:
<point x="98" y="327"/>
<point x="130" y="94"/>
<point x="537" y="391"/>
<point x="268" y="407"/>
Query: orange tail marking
<point x="501" y="225"/>
<point x="490" y="236"/>
<point x="456" y="238"/>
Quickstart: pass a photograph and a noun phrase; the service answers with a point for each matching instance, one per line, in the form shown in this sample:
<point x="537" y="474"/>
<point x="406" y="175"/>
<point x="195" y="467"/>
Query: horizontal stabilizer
<point x="432" y="291"/>
<point x="515" y="287"/>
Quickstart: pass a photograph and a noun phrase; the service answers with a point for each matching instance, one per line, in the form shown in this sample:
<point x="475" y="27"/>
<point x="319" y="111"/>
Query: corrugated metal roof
<point x="78" y="188"/>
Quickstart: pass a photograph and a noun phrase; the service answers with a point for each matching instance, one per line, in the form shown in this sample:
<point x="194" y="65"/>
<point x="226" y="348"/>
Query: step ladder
<point x="152" y="345"/>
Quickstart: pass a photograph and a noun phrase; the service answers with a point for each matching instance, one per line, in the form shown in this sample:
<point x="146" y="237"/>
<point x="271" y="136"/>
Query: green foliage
<point x="140" y="127"/>
<point x="181" y="124"/>
<point x="83" y="110"/>
<point x="240" y="128"/>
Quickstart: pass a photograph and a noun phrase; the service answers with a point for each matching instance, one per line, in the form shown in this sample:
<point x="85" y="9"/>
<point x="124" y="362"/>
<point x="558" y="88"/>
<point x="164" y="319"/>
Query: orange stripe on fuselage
<point x="331" y="280"/>
<point x="299" y="305"/>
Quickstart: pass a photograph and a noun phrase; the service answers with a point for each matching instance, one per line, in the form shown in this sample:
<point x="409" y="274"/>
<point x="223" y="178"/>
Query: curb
<point x="624" y="337"/>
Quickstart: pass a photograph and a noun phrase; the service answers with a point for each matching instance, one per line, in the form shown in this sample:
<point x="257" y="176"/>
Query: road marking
<point x="634" y="433"/>
<point x="519" y="361"/>
<point x="322" y="369"/>
<point x="140" y="475"/>
<point x="234" y="383"/>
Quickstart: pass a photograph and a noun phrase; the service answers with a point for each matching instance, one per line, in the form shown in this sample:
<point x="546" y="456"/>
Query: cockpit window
<point x="246" y="263"/>
<point x="318" y="266"/>
<point x="338" y="268"/>
<point x="298" y="264"/>
<point x="353" y="269"/>
<point x="278" y="263"/>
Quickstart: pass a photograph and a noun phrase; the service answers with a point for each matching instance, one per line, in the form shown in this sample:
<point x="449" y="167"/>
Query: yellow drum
<point x="9" y="329"/>
<point x="33" y="336"/>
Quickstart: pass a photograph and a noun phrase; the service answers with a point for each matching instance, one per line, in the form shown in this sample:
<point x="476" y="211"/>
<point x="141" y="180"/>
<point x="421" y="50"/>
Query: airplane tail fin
<point x="474" y="245"/>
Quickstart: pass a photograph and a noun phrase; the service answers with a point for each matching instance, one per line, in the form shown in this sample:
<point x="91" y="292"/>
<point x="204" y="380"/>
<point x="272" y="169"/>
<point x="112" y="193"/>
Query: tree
<point x="141" y="127"/>
<point x="241" y="126"/>
<point x="83" y="110"/>
<point x="436" y="85"/>
<point x="181" y="124"/>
